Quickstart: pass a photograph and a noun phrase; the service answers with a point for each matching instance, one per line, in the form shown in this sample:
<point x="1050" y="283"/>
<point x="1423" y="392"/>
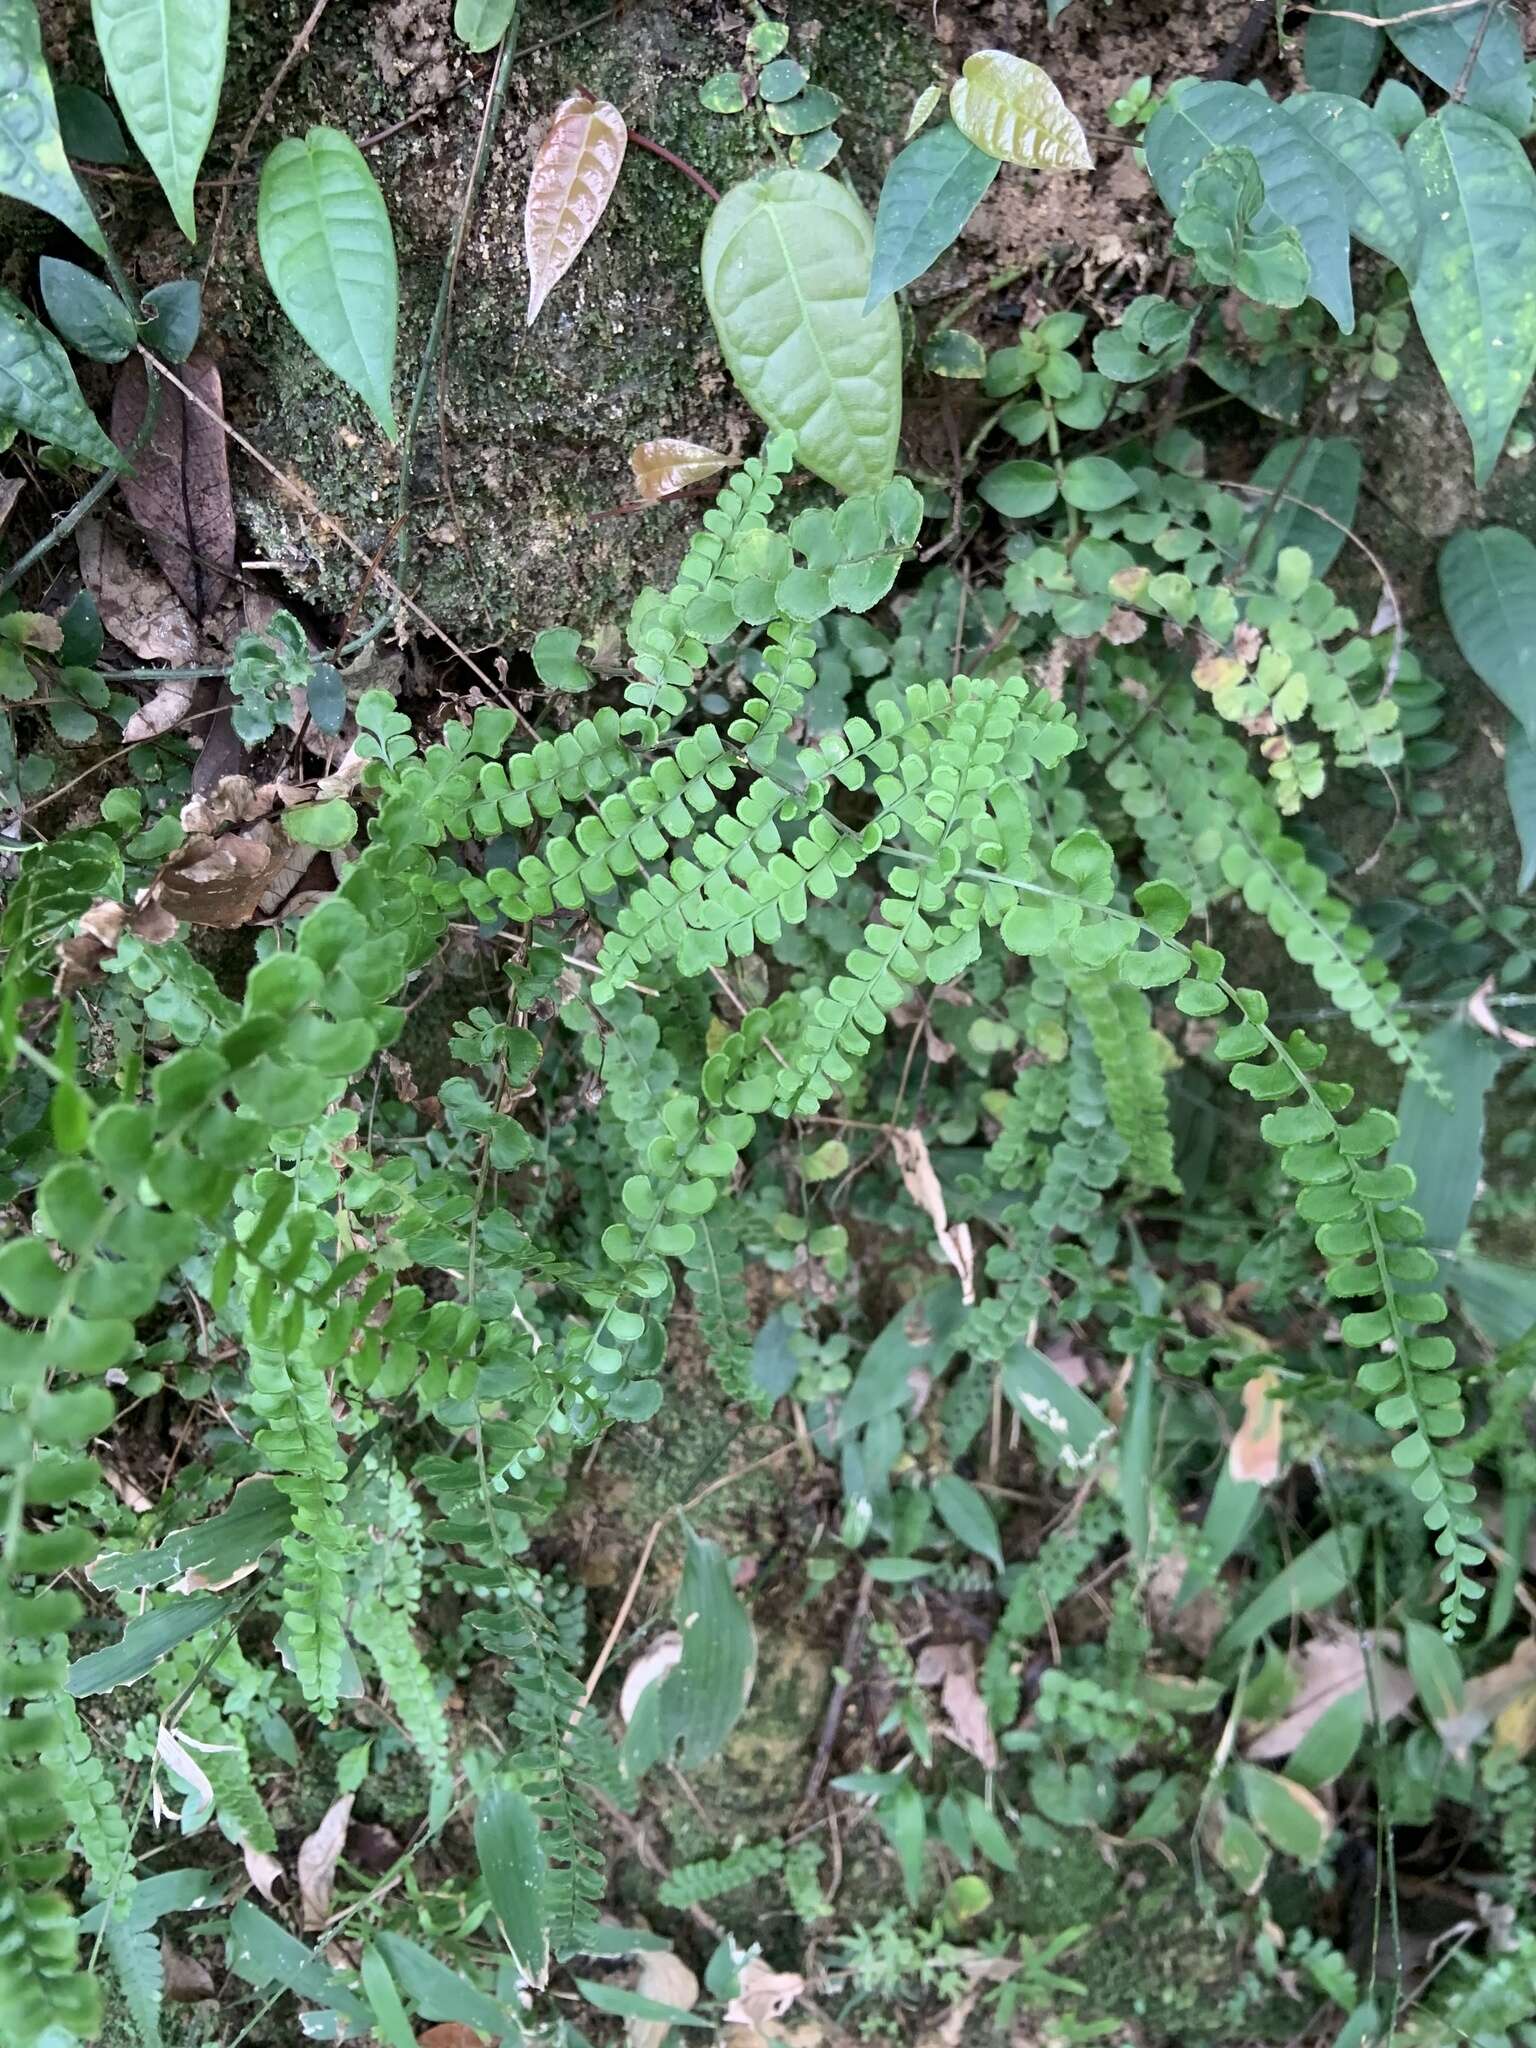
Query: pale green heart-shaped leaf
<point x="33" y="166"/>
<point x="512" y="1863"/>
<point x="329" y="255"/>
<point x="1475" y="290"/>
<point x="930" y="192"/>
<point x="1300" y="189"/>
<point x="481" y="24"/>
<point x="1478" y="53"/>
<point x="38" y="392"/>
<point x="1370" y="170"/>
<point x="1013" y="110"/>
<point x="786" y="266"/>
<point x="1488" y="589"/>
<point x="165" y="63"/>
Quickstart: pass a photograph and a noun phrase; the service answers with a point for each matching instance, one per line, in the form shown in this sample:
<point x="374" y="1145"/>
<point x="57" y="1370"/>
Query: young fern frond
<point x="695" y="1884"/>
<point x="1039" y="1589"/>
<point x="1131" y="1055"/>
<point x="716" y="1280"/>
<point x="87" y="1789"/>
<point x="385" y="1632"/>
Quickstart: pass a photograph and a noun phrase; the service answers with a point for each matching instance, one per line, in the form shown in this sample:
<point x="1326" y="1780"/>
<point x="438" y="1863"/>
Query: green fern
<point x="695" y="1884"/>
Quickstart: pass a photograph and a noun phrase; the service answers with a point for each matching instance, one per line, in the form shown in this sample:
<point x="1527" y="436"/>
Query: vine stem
<point x="644" y="142"/>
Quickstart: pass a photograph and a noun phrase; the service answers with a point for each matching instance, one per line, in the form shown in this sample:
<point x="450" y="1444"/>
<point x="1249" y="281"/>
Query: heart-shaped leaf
<point x="930" y="192"/>
<point x="38" y="391"/>
<point x="786" y="269"/>
<point x="1012" y="109"/>
<point x="1473" y="293"/>
<point x="1488" y="589"/>
<point x="165" y="63"/>
<point x="329" y="255"/>
<point x="32" y="161"/>
<point x="1370" y="171"/>
<point x="1300" y="189"/>
<point x="573" y="176"/>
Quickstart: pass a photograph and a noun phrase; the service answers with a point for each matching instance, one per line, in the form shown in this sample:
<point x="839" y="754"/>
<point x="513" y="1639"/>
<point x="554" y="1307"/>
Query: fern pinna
<point x="663" y="851"/>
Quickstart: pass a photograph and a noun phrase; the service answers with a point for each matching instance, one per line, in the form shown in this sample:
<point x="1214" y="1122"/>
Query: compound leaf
<point x="1300" y="189"/>
<point x="1475" y="290"/>
<point x="329" y="255"/>
<point x="572" y="181"/>
<point x="33" y="166"/>
<point x="786" y="268"/>
<point x="165" y="63"/>
<point x="1012" y="109"/>
<point x="38" y="389"/>
<point x="930" y="192"/>
<point x="1488" y="589"/>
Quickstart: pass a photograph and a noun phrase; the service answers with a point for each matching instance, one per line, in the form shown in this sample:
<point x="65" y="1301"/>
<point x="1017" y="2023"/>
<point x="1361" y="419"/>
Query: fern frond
<point x="1039" y="1589"/>
<point x="695" y="1884"/>
<point x="716" y="1280"/>
<point x="385" y="1632"/>
<point x="134" y="1953"/>
<point x="87" y="1789"/>
<point x="1131" y="1055"/>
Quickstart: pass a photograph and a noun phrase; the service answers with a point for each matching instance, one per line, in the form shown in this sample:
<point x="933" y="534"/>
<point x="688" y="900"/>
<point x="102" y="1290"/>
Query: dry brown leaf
<point x="233" y="800"/>
<point x="952" y="1667"/>
<point x="178" y="489"/>
<point x="667" y="1978"/>
<point x="1329" y="1669"/>
<point x="1255" y="1451"/>
<point x="136" y="603"/>
<point x="574" y="173"/>
<point x="319" y="1854"/>
<point x="186" y="1979"/>
<point x="1489" y="1698"/>
<point x="215" y="881"/>
<point x="97" y="934"/>
<point x="763" y="1995"/>
<point x="10" y="491"/>
<point x="922" y="1184"/>
<point x="174" y="1754"/>
<point x="157" y="714"/>
<point x="1123" y="626"/>
<point x="662" y="467"/>
<point x="451" y="2034"/>
<point x="1480" y="1010"/>
<point x="265" y="1872"/>
<point x="128" y="1492"/>
<point x="655" y="1663"/>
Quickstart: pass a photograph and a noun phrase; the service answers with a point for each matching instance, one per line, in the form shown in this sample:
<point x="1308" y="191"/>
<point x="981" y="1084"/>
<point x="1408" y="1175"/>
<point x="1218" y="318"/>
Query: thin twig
<point x="853" y="1646"/>
<point x="1474" y="50"/>
<point x="243" y="147"/>
<point x="644" y="142"/>
<point x="1443" y="7"/>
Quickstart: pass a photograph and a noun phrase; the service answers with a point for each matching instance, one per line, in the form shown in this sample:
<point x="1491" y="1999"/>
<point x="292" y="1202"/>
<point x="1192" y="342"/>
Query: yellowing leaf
<point x="662" y="467"/>
<point x="1011" y="109"/>
<point x="1255" y="1452"/>
<point x="573" y="177"/>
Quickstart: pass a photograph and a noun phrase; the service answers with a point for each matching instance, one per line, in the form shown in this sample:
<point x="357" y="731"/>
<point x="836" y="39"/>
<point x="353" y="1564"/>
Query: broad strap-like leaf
<point x="329" y="255"/>
<point x="569" y="187"/>
<point x="511" y="1858"/>
<point x="1014" y="111"/>
<point x="931" y="190"/>
<point x="702" y="1697"/>
<point x="1475" y="288"/>
<point x="1300" y="189"/>
<point x="1485" y="38"/>
<point x="1323" y="471"/>
<point x="33" y="166"/>
<point x="786" y="269"/>
<point x="165" y="63"/>
<point x="1370" y="171"/>
<point x="38" y="389"/>
<point x="1488" y="589"/>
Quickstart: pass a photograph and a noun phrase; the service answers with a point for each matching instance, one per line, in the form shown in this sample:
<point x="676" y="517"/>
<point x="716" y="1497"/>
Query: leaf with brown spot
<point x="178" y="491"/>
<point x="451" y="2034"/>
<point x="662" y="467"/>
<point x="1255" y="1452"/>
<point x="574" y="173"/>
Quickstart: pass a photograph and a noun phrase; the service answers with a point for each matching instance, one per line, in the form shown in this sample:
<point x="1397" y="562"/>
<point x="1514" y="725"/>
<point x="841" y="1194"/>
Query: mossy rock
<point x="518" y="522"/>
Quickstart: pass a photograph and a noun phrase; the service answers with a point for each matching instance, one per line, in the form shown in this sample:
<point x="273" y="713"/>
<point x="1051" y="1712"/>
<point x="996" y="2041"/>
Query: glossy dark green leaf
<point x="263" y="1953"/>
<point x="1488" y="590"/>
<point x="931" y="190"/>
<point x="38" y="391"/>
<point x="165" y="64"/>
<point x="89" y="126"/>
<point x="1475" y="288"/>
<point x="1442" y="46"/>
<point x="32" y="161"/>
<point x="88" y="314"/>
<point x="143" y="1642"/>
<point x="1370" y="171"/>
<point x="173" y="318"/>
<point x="1300" y="190"/>
<point x="511" y="1858"/>
<point x="786" y="271"/>
<point x="808" y="111"/>
<point x="780" y="80"/>
<point x="329" y="255"/>
<point x="1338" y="55"/>
<point x="1326" y="475"/>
